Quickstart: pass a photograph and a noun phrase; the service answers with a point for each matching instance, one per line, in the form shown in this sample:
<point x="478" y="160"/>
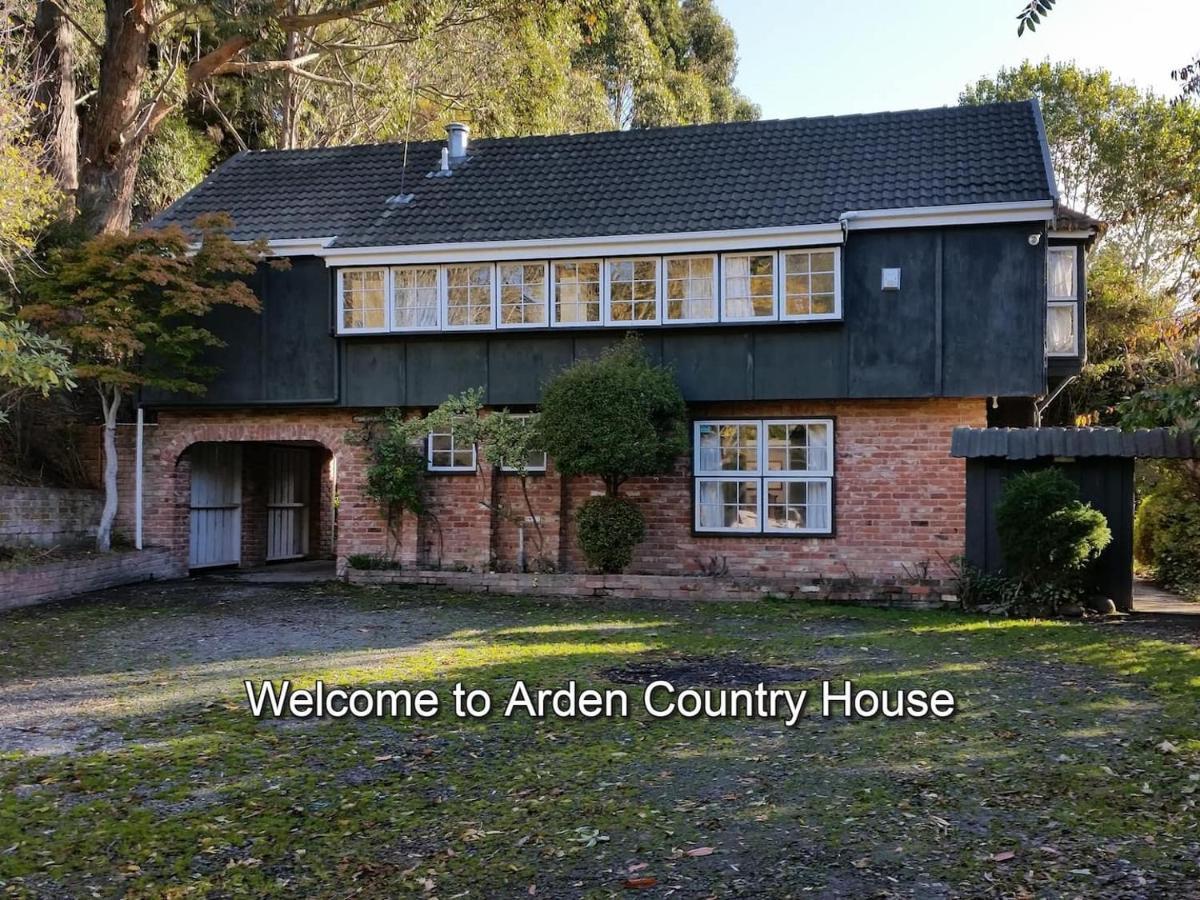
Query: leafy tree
<point x="614" y="417"/>
<point x="1047" y="536"/>
<point x="29" y="362"/>
<point x="129" y="307"/>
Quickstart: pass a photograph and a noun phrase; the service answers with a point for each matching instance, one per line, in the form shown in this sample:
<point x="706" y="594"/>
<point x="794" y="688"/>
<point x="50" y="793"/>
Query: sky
<point x="816" y="57"/>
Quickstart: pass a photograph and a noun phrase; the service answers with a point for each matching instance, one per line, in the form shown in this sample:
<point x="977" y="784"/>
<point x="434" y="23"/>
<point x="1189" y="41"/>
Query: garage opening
<point x="259" y="503"/>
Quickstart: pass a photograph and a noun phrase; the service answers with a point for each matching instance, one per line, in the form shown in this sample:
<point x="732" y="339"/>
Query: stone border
<point x="26" y="586"/>
<point x="916" y="594"/>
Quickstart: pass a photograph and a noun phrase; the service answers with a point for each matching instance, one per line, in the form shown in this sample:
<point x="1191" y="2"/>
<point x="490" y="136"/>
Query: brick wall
<point x="48" y="517"/>
<point x="51" y="581"/>
<point x="899" y="497"/>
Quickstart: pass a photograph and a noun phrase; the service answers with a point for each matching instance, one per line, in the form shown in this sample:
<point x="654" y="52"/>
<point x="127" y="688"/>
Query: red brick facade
<point x="899" y="498"/>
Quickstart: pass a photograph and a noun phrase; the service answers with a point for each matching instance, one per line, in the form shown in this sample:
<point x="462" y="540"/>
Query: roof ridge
<point x="654" y="129"/>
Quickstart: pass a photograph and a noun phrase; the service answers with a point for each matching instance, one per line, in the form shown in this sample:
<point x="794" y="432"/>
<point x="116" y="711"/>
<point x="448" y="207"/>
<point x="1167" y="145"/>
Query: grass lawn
<point x="129" y="764"/>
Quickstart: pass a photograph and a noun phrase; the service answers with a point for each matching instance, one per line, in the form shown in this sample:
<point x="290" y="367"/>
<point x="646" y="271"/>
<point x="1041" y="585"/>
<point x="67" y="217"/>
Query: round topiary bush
<point x="609" y="529"/>
<point x="1047" y="536"/>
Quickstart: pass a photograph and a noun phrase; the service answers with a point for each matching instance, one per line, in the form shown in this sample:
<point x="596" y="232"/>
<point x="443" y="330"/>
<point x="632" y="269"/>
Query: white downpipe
<point x="137" y="480"/>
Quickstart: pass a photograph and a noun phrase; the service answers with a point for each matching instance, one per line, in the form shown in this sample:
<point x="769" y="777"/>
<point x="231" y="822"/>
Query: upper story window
<point x="769" y="476"/>
<point x="1062" y="302"/>
<point x="691" y="294"/>
<point x="633" y="290"/>
<point x="810" y="284"/>
<point x="759" y="286"/>
<point x="523" y="294"/>
<point x="577" y="292"/>
<point x="415" y="298"/>
<point x="749" y="287"/>
<point x="362" y="300"/>
<point x="447" y="453"/>
<point x="469" y="296"/>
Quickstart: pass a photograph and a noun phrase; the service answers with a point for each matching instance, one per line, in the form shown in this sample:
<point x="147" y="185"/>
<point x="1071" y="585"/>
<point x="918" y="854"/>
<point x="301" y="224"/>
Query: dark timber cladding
<point x="967" y="322"/>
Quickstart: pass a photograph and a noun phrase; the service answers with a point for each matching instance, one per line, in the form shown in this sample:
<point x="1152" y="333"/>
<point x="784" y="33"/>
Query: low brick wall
<point x="48" y="517"/>
<point x="66" y="578"/>
<point x="917" y="594"/>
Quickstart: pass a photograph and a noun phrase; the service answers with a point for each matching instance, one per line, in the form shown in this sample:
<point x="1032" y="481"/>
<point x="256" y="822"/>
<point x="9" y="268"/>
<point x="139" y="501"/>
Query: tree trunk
<point x="114" y="137"/>
<point x="58" y="121"/>
<point x="110" y="405"/>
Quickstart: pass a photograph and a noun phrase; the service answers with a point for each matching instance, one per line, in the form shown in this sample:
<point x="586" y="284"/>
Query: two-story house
<point x="834" y="294"/>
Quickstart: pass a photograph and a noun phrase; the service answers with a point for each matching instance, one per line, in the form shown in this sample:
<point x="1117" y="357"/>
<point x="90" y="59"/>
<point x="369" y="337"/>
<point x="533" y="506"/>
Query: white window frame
<point x="546" y="275"/>
<point x="415" y="329"/>
<point x="387" y="300"/>
<point x="762" y="475"/>
<point x="528" y="468"/>
<point x="781" y="285"/>
<point x="598" y="323"/>
<point x="444" y="296"/>
<point x="725" y="315"/>
<point x="609" y="321"/>
<point x="1055" y="301"/>
<point x="737" y="478"/>
<point x="716" y="289"/>
<point x="429" y="466"/>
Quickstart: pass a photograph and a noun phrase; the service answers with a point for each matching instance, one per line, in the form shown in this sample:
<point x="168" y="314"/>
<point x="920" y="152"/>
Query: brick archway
<point x="168" y="476"/>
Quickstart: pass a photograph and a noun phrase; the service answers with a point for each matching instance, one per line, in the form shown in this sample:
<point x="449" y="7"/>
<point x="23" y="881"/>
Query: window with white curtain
<point x="362" y="299"/>
<point x="523" y="293"/>
<point x="691" y="289"/>
<point x="577" y="292"/>
<point x="769" y="476"/>
<point x="469" y="296"/>
<point x="415" y="298"/>
<point x="749" y="287"/>
<point x="1062" y="306"/>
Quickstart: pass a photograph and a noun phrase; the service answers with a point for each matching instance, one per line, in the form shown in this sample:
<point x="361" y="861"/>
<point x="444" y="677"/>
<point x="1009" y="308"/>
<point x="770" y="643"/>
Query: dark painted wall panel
<point x="891" y="333"/>
<point x="518" y="366"/>
<point x="994" y="286"/>
<point x="373" y="373"/>
<point x="436" y="369"/>
<point x="968" y="321"/>
<point x="798" y="363"/>
<point x="301" y="356"/>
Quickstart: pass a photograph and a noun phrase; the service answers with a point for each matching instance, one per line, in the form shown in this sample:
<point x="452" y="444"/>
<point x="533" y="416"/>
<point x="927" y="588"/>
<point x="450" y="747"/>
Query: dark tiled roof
<point x="1034" y="443"/>
<point x="649" y="181"/>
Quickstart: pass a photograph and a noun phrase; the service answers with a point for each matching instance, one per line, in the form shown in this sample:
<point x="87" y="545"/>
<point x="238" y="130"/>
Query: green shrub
<point x="369" y="561"/>
<point x="1167" y="536"/>
<point x="1047" y="536"/>
<point x="615" y="417"/>
<point x="396" y="474"/>
<point x="609" y="529"/>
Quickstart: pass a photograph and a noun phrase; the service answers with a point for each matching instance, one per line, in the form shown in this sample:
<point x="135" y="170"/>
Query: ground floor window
<point x="764" y="476"/>
<point x="448" y="453"/>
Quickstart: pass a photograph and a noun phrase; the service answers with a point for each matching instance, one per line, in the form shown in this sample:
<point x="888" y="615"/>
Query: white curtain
<point x="737" y="287"/>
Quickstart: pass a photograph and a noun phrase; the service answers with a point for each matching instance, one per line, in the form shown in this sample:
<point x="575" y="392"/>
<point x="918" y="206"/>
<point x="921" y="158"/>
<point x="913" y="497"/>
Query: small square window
<point x="725" y="504"/>
<point x="415" y="298"/>
<point x="810" y="284"/>
<point x="363" y="299"/>
<point x="577" y="292"/>
<point x="727" y="447"/>
<point x="522" y="295"/>
<point x="535" y="461"/>
<point x="469" y="296"/>
<point x="633" y="291"/>
<point x="450" y="454"/>
<point x="691" y="294"/>
<point x="796" y="505"/>
<point x="749" y="287"/>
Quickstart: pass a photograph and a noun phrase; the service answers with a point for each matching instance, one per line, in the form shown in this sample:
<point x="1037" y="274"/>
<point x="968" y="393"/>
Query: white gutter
<point x="965" y="214"/>
<point x="137" y="479"/>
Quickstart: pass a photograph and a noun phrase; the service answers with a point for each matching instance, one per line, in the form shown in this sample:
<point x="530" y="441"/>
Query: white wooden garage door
<point x="216" y="505"/>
